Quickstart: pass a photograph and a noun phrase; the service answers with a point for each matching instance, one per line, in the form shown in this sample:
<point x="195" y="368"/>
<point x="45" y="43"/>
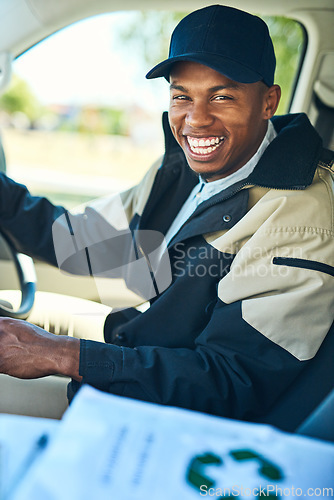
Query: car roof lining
<point x="49" y="10"/>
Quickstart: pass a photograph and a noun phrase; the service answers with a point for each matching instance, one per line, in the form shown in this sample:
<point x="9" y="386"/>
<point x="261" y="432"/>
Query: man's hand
<point x="27" y="351"/>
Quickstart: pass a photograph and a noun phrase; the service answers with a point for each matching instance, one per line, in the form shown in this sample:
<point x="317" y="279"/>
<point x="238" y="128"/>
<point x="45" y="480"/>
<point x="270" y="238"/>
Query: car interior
<point x="30" y="25"/>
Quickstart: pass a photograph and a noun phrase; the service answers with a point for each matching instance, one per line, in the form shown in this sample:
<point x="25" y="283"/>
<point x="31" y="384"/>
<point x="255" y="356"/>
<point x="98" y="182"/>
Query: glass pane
<point x="80" y="120"/>
<point x="289" y="43"/>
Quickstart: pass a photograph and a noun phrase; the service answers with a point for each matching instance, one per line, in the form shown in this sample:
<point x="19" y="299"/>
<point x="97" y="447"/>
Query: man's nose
<point x="199" y="116"/>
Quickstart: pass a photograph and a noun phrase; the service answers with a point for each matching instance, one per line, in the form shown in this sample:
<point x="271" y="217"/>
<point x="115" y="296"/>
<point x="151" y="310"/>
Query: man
<point x="245" y="204"/>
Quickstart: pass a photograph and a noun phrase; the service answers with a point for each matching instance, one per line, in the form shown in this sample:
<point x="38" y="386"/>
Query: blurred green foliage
<point x="288" y="39"/>
<point x="148" y="33"/>
<point x="20" y="99"/>
<point x="96" y="120"/>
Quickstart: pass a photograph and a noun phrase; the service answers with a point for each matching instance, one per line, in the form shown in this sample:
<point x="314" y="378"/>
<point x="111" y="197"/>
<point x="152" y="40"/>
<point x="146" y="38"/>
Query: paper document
<point x="21" y="441"/>
<point x="109" y="447"/>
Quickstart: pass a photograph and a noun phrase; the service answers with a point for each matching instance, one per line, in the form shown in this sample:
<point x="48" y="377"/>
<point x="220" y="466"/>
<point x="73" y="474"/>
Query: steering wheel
<point x="27" y="277"/>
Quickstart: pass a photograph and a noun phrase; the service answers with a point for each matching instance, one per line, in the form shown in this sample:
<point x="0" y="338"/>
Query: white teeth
<point x="196" y="145"/>
<point x="203" y="151"/>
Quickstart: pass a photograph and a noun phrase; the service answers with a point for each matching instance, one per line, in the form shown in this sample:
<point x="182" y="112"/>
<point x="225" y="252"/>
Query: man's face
<point x="218" y="123"/>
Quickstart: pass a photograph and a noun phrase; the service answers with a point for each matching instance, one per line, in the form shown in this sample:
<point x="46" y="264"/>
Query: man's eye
<point x="180" y="97"/>
<point x="222" y="98"/>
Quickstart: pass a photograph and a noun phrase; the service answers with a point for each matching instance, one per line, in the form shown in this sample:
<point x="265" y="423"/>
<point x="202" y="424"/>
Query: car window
<point x="80" y="120"/>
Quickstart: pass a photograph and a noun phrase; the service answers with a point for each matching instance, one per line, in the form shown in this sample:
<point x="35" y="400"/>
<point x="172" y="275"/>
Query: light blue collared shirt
<point x="205" y="190"/>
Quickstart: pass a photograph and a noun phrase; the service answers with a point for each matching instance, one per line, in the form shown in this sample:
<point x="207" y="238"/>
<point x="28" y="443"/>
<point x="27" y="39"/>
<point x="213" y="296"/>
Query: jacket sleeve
<point x="27" y="219"/>
<point x="53" y="234"/>
<point x="234" y="371"/>
<point x="59" y="237"/>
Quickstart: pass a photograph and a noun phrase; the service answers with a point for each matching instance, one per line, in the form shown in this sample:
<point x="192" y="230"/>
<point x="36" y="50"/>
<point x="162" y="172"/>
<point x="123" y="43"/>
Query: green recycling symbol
<point x="196" y="475"/>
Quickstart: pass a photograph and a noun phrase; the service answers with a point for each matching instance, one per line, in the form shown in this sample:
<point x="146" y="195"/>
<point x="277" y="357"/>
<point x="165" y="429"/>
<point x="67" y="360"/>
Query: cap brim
<point x="227" y="67"/>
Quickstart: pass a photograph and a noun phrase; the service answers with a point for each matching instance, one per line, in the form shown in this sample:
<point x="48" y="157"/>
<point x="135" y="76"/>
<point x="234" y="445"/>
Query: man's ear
<point x="272" y="97"/>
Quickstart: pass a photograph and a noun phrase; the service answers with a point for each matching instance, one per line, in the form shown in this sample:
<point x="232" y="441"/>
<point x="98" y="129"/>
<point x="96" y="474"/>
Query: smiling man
<point x="245" y="202"/>
<point x="219" y="123"/>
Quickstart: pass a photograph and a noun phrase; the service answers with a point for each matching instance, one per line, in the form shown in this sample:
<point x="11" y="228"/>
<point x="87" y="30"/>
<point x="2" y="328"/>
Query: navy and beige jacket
<point x="238" y="324"/>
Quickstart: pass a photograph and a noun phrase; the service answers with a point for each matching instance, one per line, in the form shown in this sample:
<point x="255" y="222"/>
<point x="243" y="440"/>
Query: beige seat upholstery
<point x="43" y="397"/>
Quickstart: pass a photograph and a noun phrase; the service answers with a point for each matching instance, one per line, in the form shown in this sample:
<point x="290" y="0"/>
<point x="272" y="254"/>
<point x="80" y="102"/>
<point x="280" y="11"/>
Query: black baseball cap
<point x="230" y="41"/>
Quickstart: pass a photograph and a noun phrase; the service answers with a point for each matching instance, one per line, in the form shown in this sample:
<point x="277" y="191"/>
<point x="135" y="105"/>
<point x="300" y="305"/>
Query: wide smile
<point x="203" y="148"/>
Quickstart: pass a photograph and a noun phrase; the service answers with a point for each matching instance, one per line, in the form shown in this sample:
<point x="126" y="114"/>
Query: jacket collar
<point x="291" y="159"/>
